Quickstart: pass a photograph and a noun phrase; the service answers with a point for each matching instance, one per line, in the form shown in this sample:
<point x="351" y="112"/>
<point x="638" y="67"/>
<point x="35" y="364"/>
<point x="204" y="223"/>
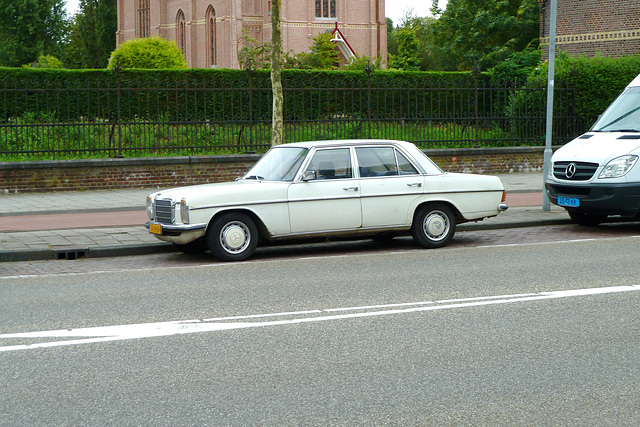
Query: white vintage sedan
<point x="333" y="189"/>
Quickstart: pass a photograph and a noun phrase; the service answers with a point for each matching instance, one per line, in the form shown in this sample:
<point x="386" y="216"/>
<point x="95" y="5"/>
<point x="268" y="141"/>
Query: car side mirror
<point x="308" y="175"/>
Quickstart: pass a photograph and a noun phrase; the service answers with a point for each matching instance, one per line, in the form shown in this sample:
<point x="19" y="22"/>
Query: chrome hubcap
<point x="235" y="237"/>
<point x="436" y="225"/>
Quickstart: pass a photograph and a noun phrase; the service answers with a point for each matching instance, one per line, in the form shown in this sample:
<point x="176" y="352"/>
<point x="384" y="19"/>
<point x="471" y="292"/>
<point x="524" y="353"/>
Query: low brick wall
<point x="105" y="174"/>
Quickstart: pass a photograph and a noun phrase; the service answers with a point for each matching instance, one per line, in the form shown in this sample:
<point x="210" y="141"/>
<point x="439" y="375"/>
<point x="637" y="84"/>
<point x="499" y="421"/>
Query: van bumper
<point x="598" y="199"/>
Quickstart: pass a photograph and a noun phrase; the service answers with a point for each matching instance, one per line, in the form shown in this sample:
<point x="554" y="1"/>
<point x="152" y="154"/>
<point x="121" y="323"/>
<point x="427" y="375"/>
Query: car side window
<point x="404" y="166"/>
<point x="331" y="164"/>
<point x="376" y="161"/>
<point x="382" y="161"/>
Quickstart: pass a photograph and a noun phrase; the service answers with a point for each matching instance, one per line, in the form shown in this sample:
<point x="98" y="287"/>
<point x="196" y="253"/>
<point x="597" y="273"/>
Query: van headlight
<point x="184" y="211"/>
<point x="618" y="167"/>
<point x="150" y="207"/>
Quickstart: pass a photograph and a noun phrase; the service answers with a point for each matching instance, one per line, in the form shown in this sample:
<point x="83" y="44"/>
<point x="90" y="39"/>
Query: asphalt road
<point x="530" y="333"/>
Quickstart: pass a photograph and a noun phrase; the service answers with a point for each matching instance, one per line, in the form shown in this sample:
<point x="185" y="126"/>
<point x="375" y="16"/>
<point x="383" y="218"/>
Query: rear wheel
<point x="233" y="237"/>
<point x="433" y="226"/>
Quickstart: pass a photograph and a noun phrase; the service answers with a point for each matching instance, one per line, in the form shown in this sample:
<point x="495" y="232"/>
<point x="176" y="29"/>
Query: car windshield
<point x="623" y="115"/>
<point x="279" y="164"/>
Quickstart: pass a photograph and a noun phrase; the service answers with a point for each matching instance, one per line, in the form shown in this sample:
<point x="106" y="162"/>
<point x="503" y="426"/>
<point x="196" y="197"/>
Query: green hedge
<point x="223" y="95"/>
<point x="596" y="82"/>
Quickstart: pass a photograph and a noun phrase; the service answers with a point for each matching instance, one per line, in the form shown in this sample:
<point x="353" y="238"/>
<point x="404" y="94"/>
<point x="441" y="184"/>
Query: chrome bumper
<point x="176" y="229"/>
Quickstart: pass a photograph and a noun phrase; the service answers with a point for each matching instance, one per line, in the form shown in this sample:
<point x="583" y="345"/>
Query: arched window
<point x="325" y="8"/>
<point x="142" y="18"/>
<point x="211" y="37"/>
<point x="181" y="31"/>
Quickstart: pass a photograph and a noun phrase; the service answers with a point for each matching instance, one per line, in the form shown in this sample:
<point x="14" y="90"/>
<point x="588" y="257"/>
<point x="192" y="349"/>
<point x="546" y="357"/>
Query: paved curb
<point x="73" y="252"/>
<point x="88" y="252"/>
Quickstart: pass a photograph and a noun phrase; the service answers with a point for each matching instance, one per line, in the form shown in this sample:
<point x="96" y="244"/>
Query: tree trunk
<point x="276" y="75"/>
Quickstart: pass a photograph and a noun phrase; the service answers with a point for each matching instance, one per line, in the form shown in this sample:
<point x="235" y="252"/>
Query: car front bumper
<point x="598" y="199"/>
<point x="180" y="234"/>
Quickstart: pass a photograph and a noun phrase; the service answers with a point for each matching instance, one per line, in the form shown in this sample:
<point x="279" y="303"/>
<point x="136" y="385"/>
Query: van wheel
<point x="233" y="237"/>
<point x="433" y="226"/>
<point x="585" y="219"/>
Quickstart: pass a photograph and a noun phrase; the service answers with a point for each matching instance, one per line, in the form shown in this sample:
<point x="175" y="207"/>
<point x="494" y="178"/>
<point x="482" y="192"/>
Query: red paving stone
<point x="133" y="218"/>
<point x="72" y="220"/>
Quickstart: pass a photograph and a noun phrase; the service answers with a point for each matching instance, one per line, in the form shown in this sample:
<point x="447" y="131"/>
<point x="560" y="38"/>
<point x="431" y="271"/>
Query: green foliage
<point x="407" y="58"/>
<point x="323" y="55"/>
<point x="481" y="33"/>
<point x="392" y="38"/>
<point x="148" y="53"/>
<point x="598" y="80"/>
<point x="584" y="87"/>
<point x="362" y="63"/>
<point x="410" y="45"/>
<point x="92" y="35"/>
<point x="45" y="61"/>
<point x="516" y="68"/>
<point x="252" y="54"/>
<point x="29" y="28"/>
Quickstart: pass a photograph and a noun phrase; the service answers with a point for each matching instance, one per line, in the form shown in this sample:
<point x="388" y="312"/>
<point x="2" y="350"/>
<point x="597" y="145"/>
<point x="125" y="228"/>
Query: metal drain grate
<point x="70" y="253"/>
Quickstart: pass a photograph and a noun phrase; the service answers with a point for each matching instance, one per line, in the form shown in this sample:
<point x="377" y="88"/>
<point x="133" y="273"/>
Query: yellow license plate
<point x="155" y="228"/>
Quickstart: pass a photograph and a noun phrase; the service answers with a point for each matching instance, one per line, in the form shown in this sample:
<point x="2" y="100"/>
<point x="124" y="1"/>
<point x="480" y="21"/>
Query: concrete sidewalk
<point x="71" y="225"/>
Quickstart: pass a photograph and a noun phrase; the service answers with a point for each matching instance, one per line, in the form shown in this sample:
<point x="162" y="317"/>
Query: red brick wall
<point x="611" y="27"/>
<point x="75" y="175"/>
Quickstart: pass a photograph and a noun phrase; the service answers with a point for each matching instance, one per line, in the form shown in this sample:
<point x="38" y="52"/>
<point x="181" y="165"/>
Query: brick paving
<point x="42" y="225"/>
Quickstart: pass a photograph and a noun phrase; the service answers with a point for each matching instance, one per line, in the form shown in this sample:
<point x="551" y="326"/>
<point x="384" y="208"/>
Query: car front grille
<point x="165" y="211"/>
<point x="574" y="171"/>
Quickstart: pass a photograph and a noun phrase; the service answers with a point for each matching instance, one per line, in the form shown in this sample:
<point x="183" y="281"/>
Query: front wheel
<point x="233" y="237"/>
<point x="433" y="226"/>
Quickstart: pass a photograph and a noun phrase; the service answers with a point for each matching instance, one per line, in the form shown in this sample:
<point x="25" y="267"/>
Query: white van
<point x="596" y="175"/>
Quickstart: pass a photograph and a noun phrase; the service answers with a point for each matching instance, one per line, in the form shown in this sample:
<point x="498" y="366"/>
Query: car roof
<point x="635" y="82"/>
<point x="345" y="142"/>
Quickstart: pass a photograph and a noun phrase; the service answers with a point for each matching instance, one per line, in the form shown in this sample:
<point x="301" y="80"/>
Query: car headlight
<point x="618" y="167"/>
<point x="184" y="211"/>
<point x="150" y="207"/>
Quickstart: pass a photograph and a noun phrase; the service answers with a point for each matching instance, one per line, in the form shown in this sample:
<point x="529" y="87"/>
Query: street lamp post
<point x="546" y="204"/>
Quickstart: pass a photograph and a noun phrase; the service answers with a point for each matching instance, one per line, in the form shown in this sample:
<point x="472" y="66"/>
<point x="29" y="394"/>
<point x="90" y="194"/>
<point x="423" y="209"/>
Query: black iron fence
<point x="106" y="118"/>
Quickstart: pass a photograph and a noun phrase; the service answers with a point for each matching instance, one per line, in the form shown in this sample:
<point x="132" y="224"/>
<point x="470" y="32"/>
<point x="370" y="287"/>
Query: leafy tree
<point x="392" y="38"/>
<point x="421" y="27"/>
<point x="252" y="54"/>
<point x="478" y="34"/>
<point x="408" y="47"/>
<point x="93" y="34"/>
<point x="516" y="68"/>
<point x="151" y="53"/>
<point x="361" y="63"/>
<point x="29" y="28"/>
<point x="45" y="61"/>
<point x="323" y="55"/>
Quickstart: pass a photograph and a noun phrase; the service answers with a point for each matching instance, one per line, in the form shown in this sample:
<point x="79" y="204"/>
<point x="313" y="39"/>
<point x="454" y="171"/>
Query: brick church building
<point x="585" y="27"/>
<point x="209" y="31"/>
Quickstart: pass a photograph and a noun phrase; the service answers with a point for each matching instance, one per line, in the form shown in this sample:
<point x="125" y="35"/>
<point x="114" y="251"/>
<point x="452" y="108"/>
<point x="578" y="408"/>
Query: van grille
<point x="581" y="171"/>
<point x="165" y="211"/>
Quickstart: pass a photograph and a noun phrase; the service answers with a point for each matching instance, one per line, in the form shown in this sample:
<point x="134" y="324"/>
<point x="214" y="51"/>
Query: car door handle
<point x="350" y="188"/>
<point x="415" y="184"/>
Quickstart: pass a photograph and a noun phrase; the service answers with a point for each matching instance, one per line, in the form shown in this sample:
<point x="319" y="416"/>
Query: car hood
<point x="243" y="191"/>
<point x="599" y="148"/>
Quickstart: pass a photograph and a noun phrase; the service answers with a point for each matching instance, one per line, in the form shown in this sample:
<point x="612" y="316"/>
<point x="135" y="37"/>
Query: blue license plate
<point x="566" y="201"/>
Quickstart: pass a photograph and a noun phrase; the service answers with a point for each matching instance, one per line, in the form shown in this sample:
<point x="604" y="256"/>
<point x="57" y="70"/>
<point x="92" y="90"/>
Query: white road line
<point x="162" y="329"/>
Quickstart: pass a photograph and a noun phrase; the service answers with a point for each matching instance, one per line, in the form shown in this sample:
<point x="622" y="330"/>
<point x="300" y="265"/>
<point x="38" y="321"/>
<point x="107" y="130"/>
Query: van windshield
<point x="623" y="115"/>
